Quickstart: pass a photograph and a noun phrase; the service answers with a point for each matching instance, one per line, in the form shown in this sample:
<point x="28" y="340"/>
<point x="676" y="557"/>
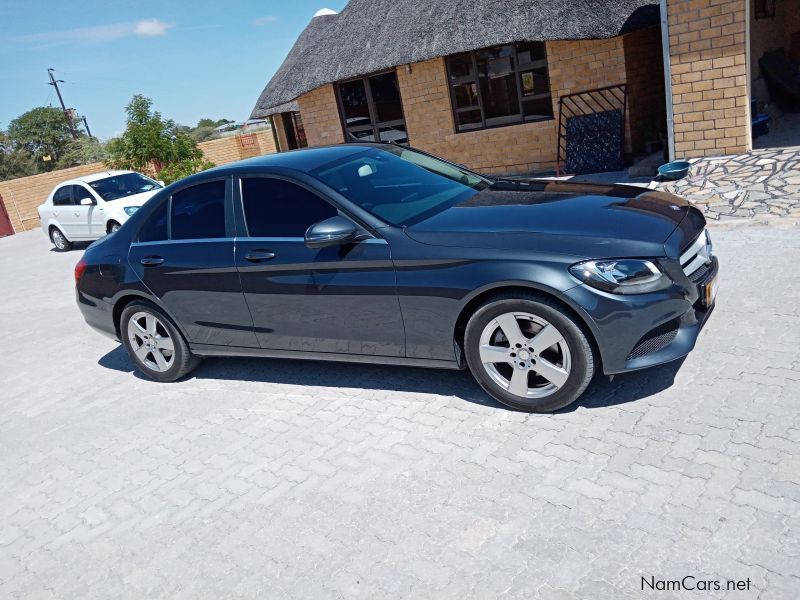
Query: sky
<point x="195" y="59"/>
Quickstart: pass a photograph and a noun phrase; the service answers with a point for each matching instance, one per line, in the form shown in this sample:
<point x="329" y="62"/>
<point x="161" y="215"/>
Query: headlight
<point x="129" y="210"/>
<point x="623" y="276"/>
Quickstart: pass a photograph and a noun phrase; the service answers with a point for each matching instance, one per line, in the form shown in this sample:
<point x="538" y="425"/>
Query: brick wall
<point x="22" y="196"/>
<point x="321" y="117"/>
<point x="574" y="66"/>
<point x="709" y="76"/>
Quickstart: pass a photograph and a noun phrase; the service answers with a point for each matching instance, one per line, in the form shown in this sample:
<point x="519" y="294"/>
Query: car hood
<point x="585" y="220"/>
<point x="134" y="200"/>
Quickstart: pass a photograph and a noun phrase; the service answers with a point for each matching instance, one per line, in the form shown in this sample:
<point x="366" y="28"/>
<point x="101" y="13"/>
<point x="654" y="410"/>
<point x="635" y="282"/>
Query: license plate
<point x="711" y="290"/>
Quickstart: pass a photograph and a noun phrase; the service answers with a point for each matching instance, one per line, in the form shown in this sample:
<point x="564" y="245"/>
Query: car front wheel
<point x="59" y="240"/>
<point x="154" y="343"/>
<point x="113" y="226"/>
<point x="527" y="354"/>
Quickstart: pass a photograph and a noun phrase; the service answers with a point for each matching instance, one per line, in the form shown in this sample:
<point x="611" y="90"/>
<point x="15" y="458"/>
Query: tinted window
<point x="63" y="196"/>
<point x="155" y="228"/>
<point x="199" y="212"/>
<point x="277" y="208"/>
<point x="79" y="193"/>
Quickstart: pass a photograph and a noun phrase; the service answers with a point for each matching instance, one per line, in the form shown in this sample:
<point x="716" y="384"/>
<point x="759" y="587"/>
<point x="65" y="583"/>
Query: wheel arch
<point x="129" y="296"/>
<point x="480" y="297"/>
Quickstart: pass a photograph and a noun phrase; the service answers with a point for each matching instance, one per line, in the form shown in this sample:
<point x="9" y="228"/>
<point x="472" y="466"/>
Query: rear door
<point x="184" y="254"/>
<point x="340" y="299"/>
<point x="71" y="216"/>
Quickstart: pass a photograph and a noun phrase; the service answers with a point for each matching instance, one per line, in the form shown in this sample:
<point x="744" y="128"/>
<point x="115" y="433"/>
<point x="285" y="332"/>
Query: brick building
<point x="529" y="85"/>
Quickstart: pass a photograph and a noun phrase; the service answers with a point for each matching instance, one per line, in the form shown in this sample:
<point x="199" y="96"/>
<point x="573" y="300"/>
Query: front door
<point x="184" y="254"/>
<point x="340" y="299"/>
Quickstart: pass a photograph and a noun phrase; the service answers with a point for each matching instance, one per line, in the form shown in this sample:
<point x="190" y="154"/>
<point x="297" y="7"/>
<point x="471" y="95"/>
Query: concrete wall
<point x="22" y="196"/>
<point x="574" y="66"/>
<point x="709" y="76"/>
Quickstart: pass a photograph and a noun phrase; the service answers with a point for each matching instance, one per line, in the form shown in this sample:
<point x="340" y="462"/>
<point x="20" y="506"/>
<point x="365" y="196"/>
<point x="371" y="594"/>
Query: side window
<point x="277" y="208"/>
<point x="63" y="196"/>
<point x="199" y="212"/>
<point x="155" y="228"/>
<point x="79" y="193"/>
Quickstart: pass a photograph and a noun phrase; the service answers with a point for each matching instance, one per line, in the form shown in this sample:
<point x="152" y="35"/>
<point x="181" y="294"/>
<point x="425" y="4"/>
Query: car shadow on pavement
<point x="76" y="247"/>
<point x="601" y="392"/>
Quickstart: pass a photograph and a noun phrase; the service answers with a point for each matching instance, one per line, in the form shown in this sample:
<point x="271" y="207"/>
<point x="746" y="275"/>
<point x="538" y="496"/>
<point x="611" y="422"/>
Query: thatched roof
<point x="371" y="35"/>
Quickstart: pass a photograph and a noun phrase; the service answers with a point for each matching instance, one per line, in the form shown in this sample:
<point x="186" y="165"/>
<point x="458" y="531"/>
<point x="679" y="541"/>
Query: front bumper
<point x="638" y="331"/>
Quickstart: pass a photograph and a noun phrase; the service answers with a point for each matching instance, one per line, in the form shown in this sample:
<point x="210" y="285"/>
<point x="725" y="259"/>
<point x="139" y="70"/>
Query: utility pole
<point x="85" y="124"/>
<point x="68" y="116"/>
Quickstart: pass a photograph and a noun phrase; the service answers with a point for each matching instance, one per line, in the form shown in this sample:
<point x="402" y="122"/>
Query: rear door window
<point x="198" y="212"/>
<point x="63" y="196"/>
<point x="279" y="208"/>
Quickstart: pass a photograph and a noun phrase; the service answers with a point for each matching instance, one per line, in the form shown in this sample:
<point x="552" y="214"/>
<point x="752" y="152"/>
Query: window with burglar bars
<point x="502" y="85"/>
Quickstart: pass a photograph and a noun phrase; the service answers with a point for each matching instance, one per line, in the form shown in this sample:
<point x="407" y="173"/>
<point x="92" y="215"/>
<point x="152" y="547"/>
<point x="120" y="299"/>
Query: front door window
<point x="372" y="110"/>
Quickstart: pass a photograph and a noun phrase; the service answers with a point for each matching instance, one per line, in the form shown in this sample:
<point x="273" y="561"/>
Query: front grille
<point x="655" y="340"/>
<point x="697" y="256"/>
<point x="702" y="275"/>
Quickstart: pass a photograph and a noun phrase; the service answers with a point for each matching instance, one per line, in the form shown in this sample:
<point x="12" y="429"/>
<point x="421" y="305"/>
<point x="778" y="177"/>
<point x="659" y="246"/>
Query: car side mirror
<point x="335" y="231"/>
<point x="161" y="183"/>
<point x="87" y="202"/>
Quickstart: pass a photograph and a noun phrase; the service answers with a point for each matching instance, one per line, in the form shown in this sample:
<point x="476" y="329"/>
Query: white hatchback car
<point x="89" y="207"/>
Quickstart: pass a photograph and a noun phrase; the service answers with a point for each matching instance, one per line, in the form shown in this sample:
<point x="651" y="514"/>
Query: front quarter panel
<point x="435" y="283"/>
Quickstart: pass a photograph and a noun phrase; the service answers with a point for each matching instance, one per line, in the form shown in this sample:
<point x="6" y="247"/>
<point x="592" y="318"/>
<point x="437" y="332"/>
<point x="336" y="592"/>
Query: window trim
<point x="374" y="125"/>
<point x="474" y="77"/>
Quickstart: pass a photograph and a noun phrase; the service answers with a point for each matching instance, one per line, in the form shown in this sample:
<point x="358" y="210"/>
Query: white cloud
<point x="149" y="27"/>
<point x="264" y="20"/>
<point x="98" y="33"/>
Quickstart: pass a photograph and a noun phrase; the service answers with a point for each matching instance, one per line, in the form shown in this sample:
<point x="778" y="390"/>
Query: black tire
<point x="582" y="360"/>
<point x="60" y="241"/>
<point x="112" y="226"/>
<point x="182" y="361"/>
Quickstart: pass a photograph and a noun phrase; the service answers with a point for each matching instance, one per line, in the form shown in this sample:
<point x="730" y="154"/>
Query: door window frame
<point x="230" y="218"/>
<point x="373" y="112"/>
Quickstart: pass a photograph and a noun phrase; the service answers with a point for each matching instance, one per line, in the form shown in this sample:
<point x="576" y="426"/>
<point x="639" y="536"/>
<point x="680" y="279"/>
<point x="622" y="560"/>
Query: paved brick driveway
<point x="283" y="479"/>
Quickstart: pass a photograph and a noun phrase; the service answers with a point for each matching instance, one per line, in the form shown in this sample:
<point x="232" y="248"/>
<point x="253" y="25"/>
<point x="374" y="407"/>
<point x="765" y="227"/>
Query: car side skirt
<point x="210" y="350"/>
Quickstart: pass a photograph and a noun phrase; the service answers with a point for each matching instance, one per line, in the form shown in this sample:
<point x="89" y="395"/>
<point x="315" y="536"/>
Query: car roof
<point x="95" y="176"/>
<point x="305" y="159"/>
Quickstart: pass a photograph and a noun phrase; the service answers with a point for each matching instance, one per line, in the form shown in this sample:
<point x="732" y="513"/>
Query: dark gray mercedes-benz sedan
<point x="380" y="253"/>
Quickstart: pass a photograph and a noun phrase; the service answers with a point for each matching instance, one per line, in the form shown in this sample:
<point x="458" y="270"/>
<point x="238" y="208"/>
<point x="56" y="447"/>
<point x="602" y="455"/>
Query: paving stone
<point x="267" y="478"/>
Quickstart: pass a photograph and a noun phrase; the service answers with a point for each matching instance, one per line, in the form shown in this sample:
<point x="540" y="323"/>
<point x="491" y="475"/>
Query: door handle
<point x="259" y="255"/>
<point x="151" y="261"/>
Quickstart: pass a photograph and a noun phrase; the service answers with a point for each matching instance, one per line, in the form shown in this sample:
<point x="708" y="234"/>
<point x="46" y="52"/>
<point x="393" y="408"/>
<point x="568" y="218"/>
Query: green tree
<point x="153" y="144"/>
<point x="83" y="151"/>
<point x="42" y="132"/>
<point x="203" y="134"/>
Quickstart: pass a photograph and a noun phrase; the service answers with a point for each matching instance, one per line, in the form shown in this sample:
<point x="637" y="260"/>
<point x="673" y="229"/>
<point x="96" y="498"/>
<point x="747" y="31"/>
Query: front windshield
<point x="399" y="185"/>
<point x="122" y="186"/>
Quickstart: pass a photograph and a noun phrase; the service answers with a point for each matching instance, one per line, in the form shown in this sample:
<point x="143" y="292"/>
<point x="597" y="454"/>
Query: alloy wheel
<point x="114" y="227"/>
<point x="59" y="240"/>
<point x="525" y="355"/>
<point x="151" y="341"/>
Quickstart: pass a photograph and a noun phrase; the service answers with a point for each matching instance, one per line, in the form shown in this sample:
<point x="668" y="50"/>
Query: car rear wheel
<point x="528" y="354"/>
<point x="154" y="343"/>
<point x="59" y="240"/>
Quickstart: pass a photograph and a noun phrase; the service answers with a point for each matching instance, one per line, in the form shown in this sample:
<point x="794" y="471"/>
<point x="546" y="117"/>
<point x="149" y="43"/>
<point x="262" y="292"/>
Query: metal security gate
<point x="591" y="130"/>
<point x="5" y="222"/>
